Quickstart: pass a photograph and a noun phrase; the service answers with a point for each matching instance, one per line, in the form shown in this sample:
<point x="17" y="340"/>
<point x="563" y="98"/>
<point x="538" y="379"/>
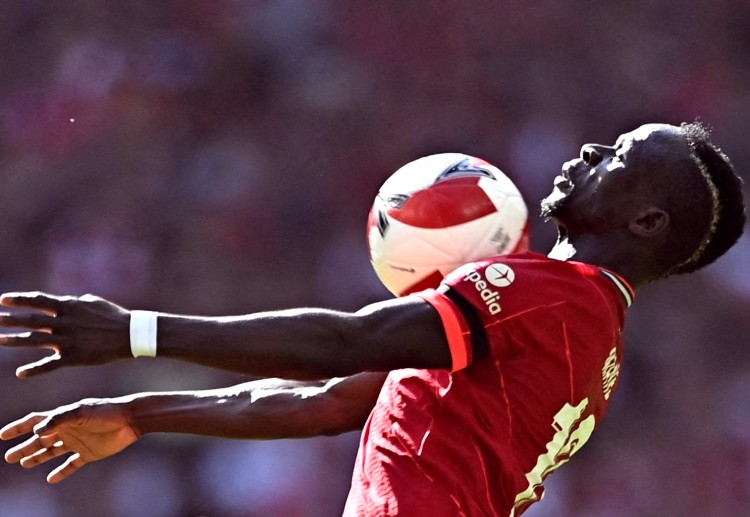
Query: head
<point x="663" y="200"/>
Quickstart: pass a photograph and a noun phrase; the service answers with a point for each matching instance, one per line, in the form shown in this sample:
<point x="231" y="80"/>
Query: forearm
<point x="307" y="343"/>
<point x="265" y="409"/>
<point x="287" y="344"/>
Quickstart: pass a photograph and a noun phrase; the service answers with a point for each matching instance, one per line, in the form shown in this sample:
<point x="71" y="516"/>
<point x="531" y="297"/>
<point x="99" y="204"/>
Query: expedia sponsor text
<point x="491" y="298"/>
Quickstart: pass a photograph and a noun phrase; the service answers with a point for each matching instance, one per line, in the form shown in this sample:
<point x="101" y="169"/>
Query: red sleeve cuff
<point x="456" y="329"/>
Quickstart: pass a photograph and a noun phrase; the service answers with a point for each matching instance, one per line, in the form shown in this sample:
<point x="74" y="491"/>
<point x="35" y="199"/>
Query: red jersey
<point x="536" y="351"/>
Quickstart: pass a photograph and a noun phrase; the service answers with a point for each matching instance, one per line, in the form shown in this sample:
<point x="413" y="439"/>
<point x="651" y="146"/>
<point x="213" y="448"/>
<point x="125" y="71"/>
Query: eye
<point x="621" y="149"/>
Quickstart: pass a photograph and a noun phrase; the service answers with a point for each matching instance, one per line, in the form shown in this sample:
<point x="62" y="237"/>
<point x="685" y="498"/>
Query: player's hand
<point x="82" y="331"/>
<point x="91" y="430"/>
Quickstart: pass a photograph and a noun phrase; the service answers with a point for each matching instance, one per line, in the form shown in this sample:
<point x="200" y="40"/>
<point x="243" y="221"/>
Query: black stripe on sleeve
<point x="479" y="343"/>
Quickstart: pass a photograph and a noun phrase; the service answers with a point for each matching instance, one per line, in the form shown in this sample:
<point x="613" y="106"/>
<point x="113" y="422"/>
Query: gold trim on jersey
<point x="622" y="285"/>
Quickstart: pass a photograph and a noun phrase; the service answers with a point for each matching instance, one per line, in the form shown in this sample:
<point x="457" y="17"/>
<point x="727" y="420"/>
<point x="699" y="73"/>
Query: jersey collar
<point x="622" y="285"/>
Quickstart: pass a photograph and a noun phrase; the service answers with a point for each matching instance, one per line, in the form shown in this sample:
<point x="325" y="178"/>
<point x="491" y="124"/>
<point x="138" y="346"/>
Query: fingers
<point x="68" y="468"/>
<point x="44" y="365"/>
<point x="33" y="320"/>
<point x="34" y="446"/>
<point x="36" y="339"/>
<point x="44" y="445"/>
<point x="29" y="339"/>
<point x="21" y="426"/>
<point x="41" y="456"/>
<point x="35" y="300"/>
<point x="38" y="450"/>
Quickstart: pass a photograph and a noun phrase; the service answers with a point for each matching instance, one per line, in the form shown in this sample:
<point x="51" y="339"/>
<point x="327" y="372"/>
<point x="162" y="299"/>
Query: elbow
<point x="331" y="415"/>
<point x="341" y="415"/>
<point x="339" y="424"/>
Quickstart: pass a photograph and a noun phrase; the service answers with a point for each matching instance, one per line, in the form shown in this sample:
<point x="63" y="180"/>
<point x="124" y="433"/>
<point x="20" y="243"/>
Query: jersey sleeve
<point x="508" y="298"/>
<point x="467" y="339"/>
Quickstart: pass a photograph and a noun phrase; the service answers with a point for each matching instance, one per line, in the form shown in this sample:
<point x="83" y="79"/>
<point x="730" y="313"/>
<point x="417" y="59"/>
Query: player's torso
<point x="481" y="440"/>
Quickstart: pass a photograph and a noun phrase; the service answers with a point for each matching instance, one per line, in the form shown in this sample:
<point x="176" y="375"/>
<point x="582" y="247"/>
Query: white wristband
<point x="143" y="333"/>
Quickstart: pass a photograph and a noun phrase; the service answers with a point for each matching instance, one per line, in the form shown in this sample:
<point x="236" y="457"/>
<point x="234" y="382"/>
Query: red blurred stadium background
<point x="221" y="157"/>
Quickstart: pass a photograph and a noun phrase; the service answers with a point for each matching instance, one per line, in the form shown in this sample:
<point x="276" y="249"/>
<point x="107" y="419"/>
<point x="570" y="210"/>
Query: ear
<point x="651" y="222"/>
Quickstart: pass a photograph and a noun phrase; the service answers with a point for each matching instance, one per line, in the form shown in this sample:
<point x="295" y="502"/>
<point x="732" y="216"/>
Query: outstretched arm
<point x="94" y="429"/>
<point x="296" y="343"/>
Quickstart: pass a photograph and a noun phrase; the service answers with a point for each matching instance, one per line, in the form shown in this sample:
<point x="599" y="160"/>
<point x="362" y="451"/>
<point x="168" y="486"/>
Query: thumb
<point x="45" y="365"/>
<point x="50" y="424"/>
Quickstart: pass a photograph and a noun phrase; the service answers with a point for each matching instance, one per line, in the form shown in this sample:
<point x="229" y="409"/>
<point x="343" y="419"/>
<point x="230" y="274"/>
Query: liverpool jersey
<point x="536" y="351"/>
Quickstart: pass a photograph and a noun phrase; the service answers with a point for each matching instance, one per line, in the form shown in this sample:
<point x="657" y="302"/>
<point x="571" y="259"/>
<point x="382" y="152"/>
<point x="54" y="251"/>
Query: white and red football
<point x="439" y="212"/>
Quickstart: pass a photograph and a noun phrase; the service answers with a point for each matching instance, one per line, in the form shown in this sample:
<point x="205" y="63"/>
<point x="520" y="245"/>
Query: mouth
<point x="569" y="166"/>
<point x="562" y="182"/>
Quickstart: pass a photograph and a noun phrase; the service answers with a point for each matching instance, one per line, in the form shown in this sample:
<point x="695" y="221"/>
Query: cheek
<point x="618" y="201"/>
<point x="606" y="201"/>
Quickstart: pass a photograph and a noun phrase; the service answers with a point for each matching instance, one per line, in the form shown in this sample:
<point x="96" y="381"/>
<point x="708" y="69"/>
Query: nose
<point x="593" y="154"/>
<point x="590" y="155"/>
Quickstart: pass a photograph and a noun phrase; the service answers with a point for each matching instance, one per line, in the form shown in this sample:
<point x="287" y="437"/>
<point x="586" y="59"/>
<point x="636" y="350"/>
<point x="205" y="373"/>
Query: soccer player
<point x="496" y="377"/>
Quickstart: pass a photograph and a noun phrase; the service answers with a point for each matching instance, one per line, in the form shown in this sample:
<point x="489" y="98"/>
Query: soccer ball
<point x="439" y="212"/>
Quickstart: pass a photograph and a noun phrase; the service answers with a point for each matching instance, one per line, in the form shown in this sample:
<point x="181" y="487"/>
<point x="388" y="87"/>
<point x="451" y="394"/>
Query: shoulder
<point x="531" y="279"/>
<point x="520" y="270"/>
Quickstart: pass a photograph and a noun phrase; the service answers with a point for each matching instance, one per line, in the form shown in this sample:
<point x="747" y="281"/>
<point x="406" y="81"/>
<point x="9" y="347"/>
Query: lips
<point x="571" y="174"/>
<point x="569" y="166"/>
<point x="562" y="182"/>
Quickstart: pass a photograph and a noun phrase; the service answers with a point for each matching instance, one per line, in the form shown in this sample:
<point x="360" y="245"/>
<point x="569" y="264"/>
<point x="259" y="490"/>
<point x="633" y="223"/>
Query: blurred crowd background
<point x="221" y="157"/>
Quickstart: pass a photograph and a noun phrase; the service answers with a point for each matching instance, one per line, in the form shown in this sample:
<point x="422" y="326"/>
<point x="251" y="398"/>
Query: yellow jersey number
<point x="571" y="433"/>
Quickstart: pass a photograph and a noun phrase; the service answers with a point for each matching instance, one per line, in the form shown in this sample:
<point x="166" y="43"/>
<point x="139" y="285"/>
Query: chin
<point x="553" y="205"/>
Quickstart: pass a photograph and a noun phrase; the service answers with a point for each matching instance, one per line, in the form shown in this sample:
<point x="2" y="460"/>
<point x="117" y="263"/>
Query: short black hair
<point x="724" y="186"/>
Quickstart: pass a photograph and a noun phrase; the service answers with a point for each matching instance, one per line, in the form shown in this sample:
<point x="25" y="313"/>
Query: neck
<point x="562" y="250"/>
<point x="604" y="253"/>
